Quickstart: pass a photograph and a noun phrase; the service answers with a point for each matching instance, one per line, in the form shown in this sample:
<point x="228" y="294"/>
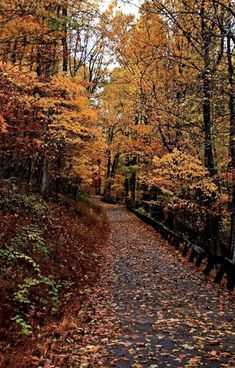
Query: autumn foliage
<point x="141" y="109"/>
<point x="172" y="141"/>
<point x="138" y="109"/>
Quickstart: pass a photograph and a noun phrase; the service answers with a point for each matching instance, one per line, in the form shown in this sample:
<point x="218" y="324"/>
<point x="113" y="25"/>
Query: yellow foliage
<point x="179" y="170"/>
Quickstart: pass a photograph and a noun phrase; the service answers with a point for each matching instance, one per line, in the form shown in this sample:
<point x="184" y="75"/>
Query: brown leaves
<point x="3" y="125"/>
<point x="194" y="361"/>
<point x="148" y="307"/>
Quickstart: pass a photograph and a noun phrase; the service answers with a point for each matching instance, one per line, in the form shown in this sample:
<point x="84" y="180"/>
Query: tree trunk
<point x="115" y="165"/>
<point x="98" y="190"/>
<point x="65" y="40"/>
<point x="232" y="230"/>
<point x="207" y="93"/>
<point x="208" y="148"/>
<point x="133" y="188"/>
<point x="111" y="171"/>
<point x="44" y="176"/>
<point x="127" y="191"/>
<point x="39" y="62"/>
<point x="232" y="140"/>
<point x="107" y="189"/>
<point x="133" y="183"/>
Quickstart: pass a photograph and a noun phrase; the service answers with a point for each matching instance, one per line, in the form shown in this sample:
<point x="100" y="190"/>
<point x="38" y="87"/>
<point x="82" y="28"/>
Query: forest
<point x="106" y="105"/>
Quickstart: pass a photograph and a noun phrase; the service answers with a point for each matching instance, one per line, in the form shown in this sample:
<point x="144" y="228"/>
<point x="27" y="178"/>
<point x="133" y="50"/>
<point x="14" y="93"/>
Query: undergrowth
<point x="48" y="249"/>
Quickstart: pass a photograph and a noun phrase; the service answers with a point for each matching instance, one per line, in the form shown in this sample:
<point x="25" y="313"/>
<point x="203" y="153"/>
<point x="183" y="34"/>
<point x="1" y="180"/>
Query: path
<point x="151" y="308"/>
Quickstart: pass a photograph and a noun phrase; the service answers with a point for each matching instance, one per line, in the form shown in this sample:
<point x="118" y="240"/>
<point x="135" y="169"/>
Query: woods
<point x="176" y="146"/>
<point x="138" y="109"/>
<point x="67" y="112"/>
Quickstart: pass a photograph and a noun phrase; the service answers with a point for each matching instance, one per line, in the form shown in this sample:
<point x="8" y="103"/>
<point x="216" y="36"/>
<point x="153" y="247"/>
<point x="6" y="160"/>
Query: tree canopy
<point x="136" y="107"/>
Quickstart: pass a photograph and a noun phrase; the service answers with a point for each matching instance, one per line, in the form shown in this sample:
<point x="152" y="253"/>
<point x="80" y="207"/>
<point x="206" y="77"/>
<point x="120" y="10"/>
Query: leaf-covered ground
<point x="59" y="237"/>
<point x="150" y="308"/>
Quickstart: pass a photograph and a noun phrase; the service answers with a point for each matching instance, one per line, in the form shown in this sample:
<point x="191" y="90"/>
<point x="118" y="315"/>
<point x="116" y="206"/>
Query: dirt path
<point x="151" y="308"/>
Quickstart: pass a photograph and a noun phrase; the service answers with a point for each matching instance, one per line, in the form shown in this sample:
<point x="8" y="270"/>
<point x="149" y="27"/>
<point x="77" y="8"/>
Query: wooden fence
<point x="223" y="267"/>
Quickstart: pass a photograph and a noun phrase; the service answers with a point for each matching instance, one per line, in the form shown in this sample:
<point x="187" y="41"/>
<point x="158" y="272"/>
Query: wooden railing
<point x="223" y="267"/>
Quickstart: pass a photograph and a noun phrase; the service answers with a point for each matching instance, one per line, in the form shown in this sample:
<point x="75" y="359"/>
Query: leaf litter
<point x="149" y="308"/>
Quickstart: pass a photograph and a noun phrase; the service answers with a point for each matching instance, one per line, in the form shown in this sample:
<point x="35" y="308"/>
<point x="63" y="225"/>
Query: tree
<point x="48" y="118"/>
<point x="175" y="57"/>
<point x="226" y="26"/>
